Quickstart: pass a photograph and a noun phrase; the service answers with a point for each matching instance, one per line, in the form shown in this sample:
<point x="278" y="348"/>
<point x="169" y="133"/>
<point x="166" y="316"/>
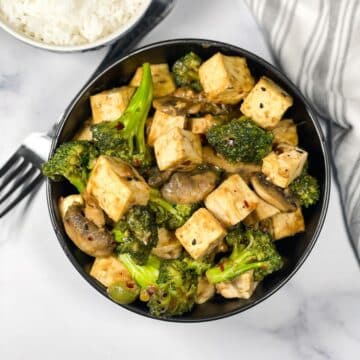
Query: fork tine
<point x="25" y="191"/>
<point x="9" y="163"/>
<point x="20" y="180"/>
<point x="13" y="174"/>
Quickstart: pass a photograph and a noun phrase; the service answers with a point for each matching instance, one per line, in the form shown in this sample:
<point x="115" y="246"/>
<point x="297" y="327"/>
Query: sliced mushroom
<point x="66" y="202"/>
<point x="92" y="210"/>
<point x="185" y="101"/>
<point x="88" y="237"/>
<point x="157" y="178"/>
<point x="168" y="246"/>
<point x="245" y="170"/>
<point x="188" y="188"/>
<point x="273" y="194"/>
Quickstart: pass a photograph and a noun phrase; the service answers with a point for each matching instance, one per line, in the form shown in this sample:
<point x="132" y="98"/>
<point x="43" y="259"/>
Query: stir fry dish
<point x="184" y="180"/>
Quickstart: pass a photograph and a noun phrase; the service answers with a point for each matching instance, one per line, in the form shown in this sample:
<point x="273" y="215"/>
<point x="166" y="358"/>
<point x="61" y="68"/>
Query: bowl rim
<point x="103" y="41"/>
<point x="319" y="132"/>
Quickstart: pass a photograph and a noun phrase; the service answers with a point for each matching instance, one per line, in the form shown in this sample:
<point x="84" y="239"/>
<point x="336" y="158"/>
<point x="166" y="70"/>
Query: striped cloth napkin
<point x="317" y="44"/>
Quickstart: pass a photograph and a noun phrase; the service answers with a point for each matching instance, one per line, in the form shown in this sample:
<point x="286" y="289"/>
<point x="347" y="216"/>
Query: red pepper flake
<point x="246" y="203"/>
<point x="221" y="266"/>
<point x="150" y="290"/>
<point x="90" y="238"/>
<point x="119" y="126"/>
<point x="130" y="285"/>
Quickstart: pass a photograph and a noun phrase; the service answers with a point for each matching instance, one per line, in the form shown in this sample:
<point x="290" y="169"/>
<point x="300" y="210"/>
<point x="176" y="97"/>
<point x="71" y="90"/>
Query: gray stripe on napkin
<point x="322" y="32"/>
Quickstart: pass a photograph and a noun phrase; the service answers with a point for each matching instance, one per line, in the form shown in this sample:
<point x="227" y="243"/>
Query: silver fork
<point x="21" y="174"/>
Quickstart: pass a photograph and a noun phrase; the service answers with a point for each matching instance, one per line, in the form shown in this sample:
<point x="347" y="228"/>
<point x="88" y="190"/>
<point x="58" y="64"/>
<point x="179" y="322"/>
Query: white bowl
<point x="106" y="40"/>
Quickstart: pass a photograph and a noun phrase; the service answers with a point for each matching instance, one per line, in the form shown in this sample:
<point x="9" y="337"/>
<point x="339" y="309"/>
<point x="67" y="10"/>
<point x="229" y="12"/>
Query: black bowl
<point x="294" y="250"/>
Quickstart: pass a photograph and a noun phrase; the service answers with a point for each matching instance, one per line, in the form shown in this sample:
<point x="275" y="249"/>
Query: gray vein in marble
<point x="10" y="82"/>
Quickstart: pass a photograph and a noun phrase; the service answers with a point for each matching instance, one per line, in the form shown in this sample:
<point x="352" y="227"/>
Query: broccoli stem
<point x="135" y="115"/>
<point x="145" y="275"/>
<point x="156" y="199"/>
<point x="222" y="272"/>
<point x="78" y="183"/>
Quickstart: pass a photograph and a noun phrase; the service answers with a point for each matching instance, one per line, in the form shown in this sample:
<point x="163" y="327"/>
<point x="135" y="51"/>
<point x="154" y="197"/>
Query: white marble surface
<point x="47" y="311"/>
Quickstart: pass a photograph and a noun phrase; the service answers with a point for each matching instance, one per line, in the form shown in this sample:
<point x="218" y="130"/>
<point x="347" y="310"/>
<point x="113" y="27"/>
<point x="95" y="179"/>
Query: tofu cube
<point x="201" y="125"/>
<point x="163" y="123"/>
<point x="200" y="234"/>
<point x="287" y="224"/>
<point x="110" y="104"/>
<point x="178" y="149"/>
<point x="285" y="133"/>
<point x="266" y="103"/>
<point x="226" y="79"/>
<point x="84" y="133"/>
<point x="282" y="166"/>
<point x="232" y="201"/>
<point x="117" y="186"/>
<point x="242" y="287"/>
<point x="263" y="211"/>
<point x="109" y="270"/>
<point x="205" y="290"/>
<point x="163" y="81"/>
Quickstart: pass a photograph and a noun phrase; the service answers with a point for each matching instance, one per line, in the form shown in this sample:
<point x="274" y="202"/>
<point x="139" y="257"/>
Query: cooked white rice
<point x="68" y="22"/>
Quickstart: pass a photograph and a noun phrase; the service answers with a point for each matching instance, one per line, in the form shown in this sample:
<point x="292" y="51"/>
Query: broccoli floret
<point x="175" y="291"/>
<point x="186" y="71"/>
<point x="252" y="250"/>
<point x="145" y="275"/>
<point x="72" y="160"/>
<point x="125" y="137"/>
<point x="306" y="189"/>
<point x="197" y="266"/>
<point x="136" y="233"/>
<point x="235" y="234"/>
<point x="169" y="215"/>
<point x="169" y="286"/>
<point x="240" y="140"/>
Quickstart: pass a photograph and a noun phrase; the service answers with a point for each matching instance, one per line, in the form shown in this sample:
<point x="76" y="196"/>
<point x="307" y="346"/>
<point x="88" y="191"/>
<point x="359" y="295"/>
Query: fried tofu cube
<point x="163" y="81"/>
<point x="178" y="149"/>
<point x="163" y="123"/>
<point x="263" y="211"/>
<point x="242" y="287"/>
<point x="226" y="79"/>
<point x="266" y="103"/>
<point x="205" y="290"/>
<point x="109" y="270"/>
<point x="109" y="105"/>
<point x="84" y="133"/>
<point x="201" y="125"/>
<point x="232" y="201"/>
<point x="282" y="166"/>
<point x="285" y="133"/>
<point x="117" y="186"/>
<point x="287" y="224"/>
<point x="201" y="234"/>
